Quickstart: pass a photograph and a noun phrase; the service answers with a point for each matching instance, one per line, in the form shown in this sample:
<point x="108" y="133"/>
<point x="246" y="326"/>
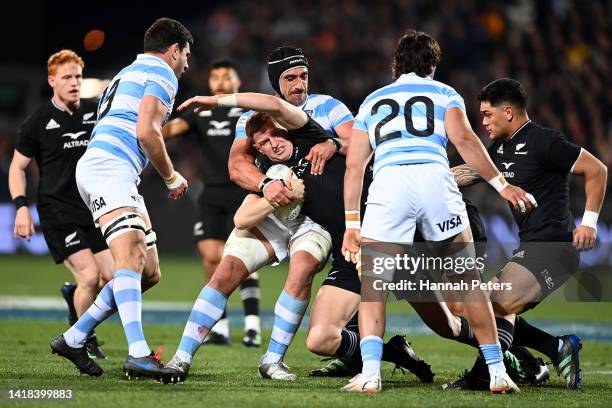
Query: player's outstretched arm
<point x="359" y="154"/>
<point x="287" y="115"/>
<point x="148" y="129"/>
<point x="245" y="174"/>
<point x="174" y="128"/>
<point x="24" y="227"/>
<point x="476" y="157"/>
<point x="595" y="178"/>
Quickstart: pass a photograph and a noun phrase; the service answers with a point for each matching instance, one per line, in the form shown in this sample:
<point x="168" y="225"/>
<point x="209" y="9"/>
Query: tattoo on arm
<point x="465" y="176"/>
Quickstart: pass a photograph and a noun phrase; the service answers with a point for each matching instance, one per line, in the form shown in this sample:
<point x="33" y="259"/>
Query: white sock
<point x="496" y="368"/>
<point x="222" y="327"/>
<point x="252" y="322"/>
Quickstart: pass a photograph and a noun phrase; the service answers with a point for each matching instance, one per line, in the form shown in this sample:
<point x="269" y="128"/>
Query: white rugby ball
<point x="292" y="210"/>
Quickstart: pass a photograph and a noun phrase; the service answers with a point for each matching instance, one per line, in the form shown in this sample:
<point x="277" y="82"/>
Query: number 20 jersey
<point x="405" y="121"/>
<point x="115" y="130"/>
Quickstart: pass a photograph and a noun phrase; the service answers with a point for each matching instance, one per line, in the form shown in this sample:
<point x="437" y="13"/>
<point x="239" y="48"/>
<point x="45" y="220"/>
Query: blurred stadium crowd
<point x="559" y="49"/>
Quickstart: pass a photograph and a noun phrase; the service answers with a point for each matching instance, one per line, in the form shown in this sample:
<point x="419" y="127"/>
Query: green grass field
<point x="228" y="376"/>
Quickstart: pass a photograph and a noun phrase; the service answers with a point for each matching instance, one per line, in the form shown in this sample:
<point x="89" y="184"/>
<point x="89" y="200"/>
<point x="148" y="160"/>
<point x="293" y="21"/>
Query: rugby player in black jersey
<point x="56" y="136"/>
<point x="220" y="198"/>
<point x="538" y="160"/>
<point x="305" y="132"/>
<point x="288" y="143"/>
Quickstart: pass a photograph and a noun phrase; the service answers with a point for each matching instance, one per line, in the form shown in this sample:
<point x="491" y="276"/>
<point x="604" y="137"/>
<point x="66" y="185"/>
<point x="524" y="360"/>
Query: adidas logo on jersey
<point x="500" y="149"/>
<point x="52" y="124"/>
<point x="519" y="254"/>
<point x="70" y="239"/>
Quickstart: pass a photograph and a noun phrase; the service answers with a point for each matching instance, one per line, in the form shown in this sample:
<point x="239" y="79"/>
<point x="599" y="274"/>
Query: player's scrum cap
<point x="282" y="59"/>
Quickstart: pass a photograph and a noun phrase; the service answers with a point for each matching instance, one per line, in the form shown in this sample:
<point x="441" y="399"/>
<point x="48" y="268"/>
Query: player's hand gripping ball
<point x="284" y="173"/>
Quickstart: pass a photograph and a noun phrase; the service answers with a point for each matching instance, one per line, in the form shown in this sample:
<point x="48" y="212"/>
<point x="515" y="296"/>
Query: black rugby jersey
<point x="57" y="140"/>
<point x="538" y="160"/>
<point x="216" y="130"/>
<point x="324" y="199"/>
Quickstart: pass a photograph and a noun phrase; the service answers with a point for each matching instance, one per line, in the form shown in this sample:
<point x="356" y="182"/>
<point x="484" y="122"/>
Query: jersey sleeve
<point x="241" y="125"/>
<point x="190" y="117"/>
<point x="454" y="100"/>
<point x="163" y="86"/>
<point x="27" y="141"/>
<point x="338" y="113"/>
<point x="360" y="120"/>
<point x="558" y="153"/>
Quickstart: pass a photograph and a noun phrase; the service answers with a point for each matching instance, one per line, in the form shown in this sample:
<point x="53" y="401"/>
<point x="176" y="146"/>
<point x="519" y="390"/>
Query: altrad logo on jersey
<point x="220" y="128"/>
<point x="97" y="203"/>
<point x="507" y="174"/>
<point x="449" y="224"/>
<point x="74" y="142"/>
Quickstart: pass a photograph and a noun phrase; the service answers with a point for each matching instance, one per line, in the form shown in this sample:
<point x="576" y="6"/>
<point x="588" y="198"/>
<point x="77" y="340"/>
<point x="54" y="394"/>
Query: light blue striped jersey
<point x="325" y="110"/>
<point x="118" y="109"/>
<point x="405" y="121"/>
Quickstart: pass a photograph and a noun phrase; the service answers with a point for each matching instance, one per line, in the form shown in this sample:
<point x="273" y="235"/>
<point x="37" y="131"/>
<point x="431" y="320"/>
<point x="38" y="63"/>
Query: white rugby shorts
<point x="106" y="182"/>
<point x="280" y="234"/>
<point x="401" y="198"/>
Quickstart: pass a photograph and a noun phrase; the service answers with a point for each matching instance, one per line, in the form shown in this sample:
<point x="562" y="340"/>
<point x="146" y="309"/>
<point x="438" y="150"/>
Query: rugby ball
<point x="292" y="210"/>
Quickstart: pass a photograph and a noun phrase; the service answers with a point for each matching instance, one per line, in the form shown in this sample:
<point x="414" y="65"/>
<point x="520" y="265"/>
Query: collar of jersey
<point x="62" y="109"/>
<point x="518" y="130"/>
<point x="406" y="77"/>
<point x="303" y="107"/>
<point x="153" y="57"/>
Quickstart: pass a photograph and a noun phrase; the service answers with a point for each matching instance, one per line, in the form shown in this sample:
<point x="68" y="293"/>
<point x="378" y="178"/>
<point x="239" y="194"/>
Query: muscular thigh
<point x="523" y="289"/>
<point x="334" y="307"/>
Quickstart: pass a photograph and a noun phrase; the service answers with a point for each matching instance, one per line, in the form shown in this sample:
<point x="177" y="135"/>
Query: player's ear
<point x="175" y="52"/>
<point x="509" y="112"/>
<point x="51" y="80"/>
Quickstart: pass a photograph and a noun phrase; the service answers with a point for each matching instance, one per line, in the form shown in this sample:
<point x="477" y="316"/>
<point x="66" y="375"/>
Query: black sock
<point x="505" y="333"/>
<point x="349" y="346"/>
<point x="249" y="294"/>
<point x="466" y="336"/>
<point x="68" y="294"/>
<point x="480" y="369"/>
<point x="353" y="324"/>
<point x="532" y="337"/>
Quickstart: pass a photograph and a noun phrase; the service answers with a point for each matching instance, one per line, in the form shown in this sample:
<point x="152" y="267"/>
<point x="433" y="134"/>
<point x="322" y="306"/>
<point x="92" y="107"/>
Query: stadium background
<point x="559" y="49"/>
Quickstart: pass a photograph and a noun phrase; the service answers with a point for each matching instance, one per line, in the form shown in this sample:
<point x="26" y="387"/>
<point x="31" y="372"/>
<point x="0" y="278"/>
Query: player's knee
<point x="134" y="258"/>
<point x="506" y="307"/>
<point x="298" y="279"/>
<point x="88" y="278"/>
<point x="229" y="274"/>
<point x="151" y="276"/>
<point x="321" y="339"/>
